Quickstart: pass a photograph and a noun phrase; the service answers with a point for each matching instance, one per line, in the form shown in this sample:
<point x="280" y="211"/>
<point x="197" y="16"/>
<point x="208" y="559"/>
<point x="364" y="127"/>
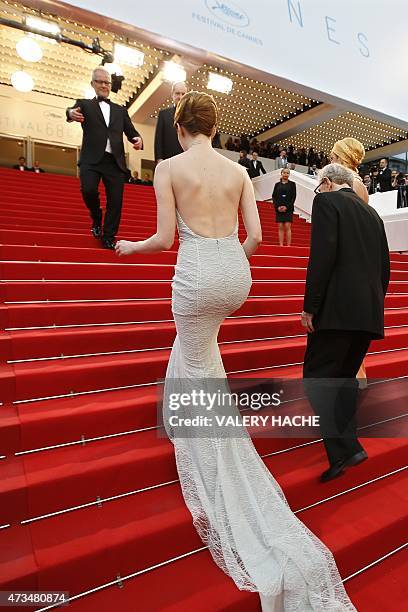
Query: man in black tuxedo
<point x="384" y="178"/>
<point x="103" y="155"/>
<point x="37" y="168"/>
<point x="166" y="143"/>
<point x="256" y="166"/>
<point x="347" y="279"/>
<point x="21" y="165"/>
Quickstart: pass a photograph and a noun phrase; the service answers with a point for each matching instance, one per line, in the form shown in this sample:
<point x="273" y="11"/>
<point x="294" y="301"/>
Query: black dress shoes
<point x="338" y="468"/>
<point x="96" y="231"/>
<point x="108" y="243"/>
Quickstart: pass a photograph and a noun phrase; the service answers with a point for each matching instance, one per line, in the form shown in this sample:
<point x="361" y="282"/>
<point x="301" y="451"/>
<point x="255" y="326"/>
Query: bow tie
<point x="102" y="99"/>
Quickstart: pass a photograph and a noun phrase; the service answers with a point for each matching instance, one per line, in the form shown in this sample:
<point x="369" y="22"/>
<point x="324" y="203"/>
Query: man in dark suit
<point x="244" y="161"/>
<point x="384" y="178"/>
<point x="256" y="166"/>
<point x="36" y="168"/>
<point x="166" y="143"/>
<point x="312" y="170"/>
<point x="103" y="155"/>
<point x="347" y="279"/>
<point x="21" y="165"/>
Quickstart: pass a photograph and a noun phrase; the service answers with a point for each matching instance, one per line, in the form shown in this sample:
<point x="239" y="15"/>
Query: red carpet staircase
<point x="89" y="498"/>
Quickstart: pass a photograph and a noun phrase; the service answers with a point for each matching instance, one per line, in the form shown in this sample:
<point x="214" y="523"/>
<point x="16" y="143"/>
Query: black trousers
<point x="332" y="360"/>
<point x="113" y="179"/>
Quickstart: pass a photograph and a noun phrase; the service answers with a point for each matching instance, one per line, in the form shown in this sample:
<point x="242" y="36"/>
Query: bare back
<point x="207" y="188"/>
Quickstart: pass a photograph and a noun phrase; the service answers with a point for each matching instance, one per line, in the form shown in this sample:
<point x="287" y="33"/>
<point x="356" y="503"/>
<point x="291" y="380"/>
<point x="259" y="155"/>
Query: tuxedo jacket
<point x="384" y="178"/>
<point x="166" y="143"/>
<point x="349" y="265"/>
<point x="96" y="132"/>
<point x="256" y="171"/>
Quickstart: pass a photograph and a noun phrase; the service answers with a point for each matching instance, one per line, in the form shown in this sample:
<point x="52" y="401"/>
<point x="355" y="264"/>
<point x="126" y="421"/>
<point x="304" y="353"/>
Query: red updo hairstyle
<point x="197" y="113"/>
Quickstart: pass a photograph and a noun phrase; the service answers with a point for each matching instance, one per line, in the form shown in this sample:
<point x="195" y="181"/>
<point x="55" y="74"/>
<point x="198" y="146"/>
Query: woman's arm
<point x="250" y="216"/>
<point x="166" y="218"/>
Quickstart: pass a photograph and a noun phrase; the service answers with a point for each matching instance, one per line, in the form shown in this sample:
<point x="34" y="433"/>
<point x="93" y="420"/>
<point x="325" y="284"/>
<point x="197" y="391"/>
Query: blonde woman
<point x="350" y="152"/>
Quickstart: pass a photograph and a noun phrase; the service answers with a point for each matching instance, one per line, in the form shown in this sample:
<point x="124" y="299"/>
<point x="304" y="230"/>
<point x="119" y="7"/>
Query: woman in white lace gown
<point x="238" y="508"/>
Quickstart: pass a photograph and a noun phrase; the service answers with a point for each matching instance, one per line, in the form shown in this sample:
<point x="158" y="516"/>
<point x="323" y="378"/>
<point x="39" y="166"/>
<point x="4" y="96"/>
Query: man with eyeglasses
<point x="347" y="279"/>
<point x="102" y="154"/>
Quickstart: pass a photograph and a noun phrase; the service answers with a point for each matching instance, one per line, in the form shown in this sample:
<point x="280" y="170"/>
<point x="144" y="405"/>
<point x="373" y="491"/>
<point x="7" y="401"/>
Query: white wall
<point x="37" y="115"/>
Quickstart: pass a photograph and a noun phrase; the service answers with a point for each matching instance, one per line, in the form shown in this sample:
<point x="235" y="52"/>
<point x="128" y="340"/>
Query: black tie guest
<point x="346" y="282"/>
<point x="36" y="168"/>
<point x="283" y="198"/>
<point x="384" y="178"/>
<point x="256" y="166"/>
<point x="244" y="161"/>
<point x="21" y="165"/>
<point x="313" y="170"/>
<point x="147" y="180"/>
<point x="134" y="179"/>
<point x="166" y="143"/>
<point x="102" y="154"/>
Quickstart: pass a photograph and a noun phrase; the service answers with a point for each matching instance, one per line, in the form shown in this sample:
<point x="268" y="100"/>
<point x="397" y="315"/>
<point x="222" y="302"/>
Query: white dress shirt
<point x="105" y="108"/>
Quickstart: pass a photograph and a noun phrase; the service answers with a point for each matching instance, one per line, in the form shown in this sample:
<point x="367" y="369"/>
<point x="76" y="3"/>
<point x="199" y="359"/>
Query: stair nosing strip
<point x="190" y="553"/>
<point x="113" y="323"/>
<point x="176" y="481"/>
<point x="80" y="325"/>
<point x="142" y="350"/>
<point x="166" y="298"/>
<point x="91" y="391"/>
<point x="156" y="427"/>
<point x="376" y="562"/>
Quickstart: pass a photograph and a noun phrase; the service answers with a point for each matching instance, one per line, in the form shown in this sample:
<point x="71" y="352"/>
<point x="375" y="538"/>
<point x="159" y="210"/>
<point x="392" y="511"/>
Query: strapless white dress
<point x="238" y="509"/>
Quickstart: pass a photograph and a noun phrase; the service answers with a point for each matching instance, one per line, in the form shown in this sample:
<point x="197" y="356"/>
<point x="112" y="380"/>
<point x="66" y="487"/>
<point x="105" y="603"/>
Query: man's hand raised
<point x="75" y="114"/>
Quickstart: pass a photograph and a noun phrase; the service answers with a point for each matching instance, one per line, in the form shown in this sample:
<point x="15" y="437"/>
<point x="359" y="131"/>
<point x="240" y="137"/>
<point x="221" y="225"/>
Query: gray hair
<point x="337" y="174"/>
<point x="173" y="87"/>
<point x="99" y="69"/>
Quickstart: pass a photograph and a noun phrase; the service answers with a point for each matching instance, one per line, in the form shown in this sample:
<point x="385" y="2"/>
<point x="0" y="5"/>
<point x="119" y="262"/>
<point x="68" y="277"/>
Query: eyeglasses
<point x="107" y="83"/>
<point x="317" y="190"/>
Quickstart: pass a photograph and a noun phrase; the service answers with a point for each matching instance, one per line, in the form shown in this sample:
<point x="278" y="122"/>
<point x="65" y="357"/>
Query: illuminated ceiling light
<point x="29" y="50"/>
<point x="44" y="26"/>
<point x="173" y="72"/>
<point x="113" y="69"/>
<point x="128" y="55"/>
<point x="219" y="83"/>
<point x="22" y="81"/>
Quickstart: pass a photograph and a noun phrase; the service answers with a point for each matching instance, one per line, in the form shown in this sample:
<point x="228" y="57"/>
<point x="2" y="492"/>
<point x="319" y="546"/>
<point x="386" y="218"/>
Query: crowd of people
<point x="289" y="155"/>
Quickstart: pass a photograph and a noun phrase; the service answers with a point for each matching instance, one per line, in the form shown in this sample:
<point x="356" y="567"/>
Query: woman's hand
<point x="124" y="247"/>
<point x="282" y="209"/>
